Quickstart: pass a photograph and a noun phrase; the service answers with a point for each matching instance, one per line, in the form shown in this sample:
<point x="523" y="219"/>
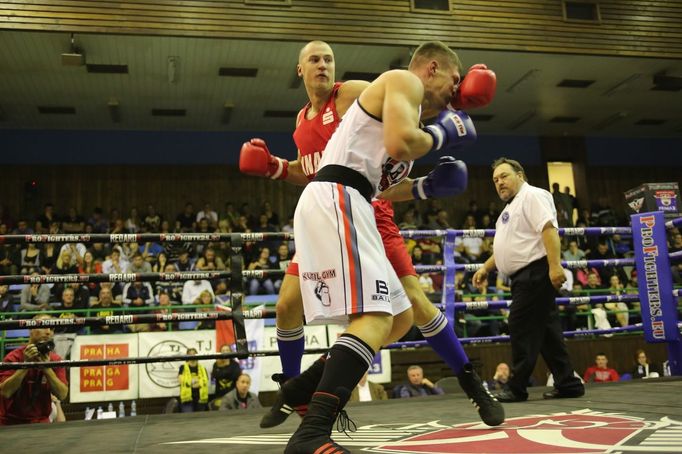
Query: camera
<point x="45" y="347"/>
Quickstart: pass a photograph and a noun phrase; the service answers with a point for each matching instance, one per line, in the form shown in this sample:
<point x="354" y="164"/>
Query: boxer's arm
<point x="400" y="192"/>
<point x="347" y="94"/>
<point x="296" y="175"/>
<point x="402" y="95"/>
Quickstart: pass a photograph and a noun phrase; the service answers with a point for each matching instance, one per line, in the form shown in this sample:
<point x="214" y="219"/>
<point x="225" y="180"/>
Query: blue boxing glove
<point x="448" y="178"/>
<point x="451" y="129"/>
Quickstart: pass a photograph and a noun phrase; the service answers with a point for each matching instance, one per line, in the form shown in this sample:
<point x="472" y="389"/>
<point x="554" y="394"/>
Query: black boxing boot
<point x="294" y="394"/>
<point x="314" y="433"/>
<point x="489" y="409"/>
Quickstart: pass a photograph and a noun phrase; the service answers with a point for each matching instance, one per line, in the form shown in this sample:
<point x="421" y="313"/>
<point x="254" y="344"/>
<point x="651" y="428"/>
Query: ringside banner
<point x="654" y="277"/>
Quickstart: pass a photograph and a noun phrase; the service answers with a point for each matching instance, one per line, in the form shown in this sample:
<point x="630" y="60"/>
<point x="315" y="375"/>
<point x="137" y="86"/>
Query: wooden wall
<point x="169" y="187"/>
<point x="629" y="27"/>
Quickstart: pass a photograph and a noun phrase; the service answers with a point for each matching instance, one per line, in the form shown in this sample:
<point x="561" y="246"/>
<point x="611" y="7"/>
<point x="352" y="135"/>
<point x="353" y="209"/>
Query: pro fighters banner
<point x="654" y="277"/>
<point x="102" y="383"/>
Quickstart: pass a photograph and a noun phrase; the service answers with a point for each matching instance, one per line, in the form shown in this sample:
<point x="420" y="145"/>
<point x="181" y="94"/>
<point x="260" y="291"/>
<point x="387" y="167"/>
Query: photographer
<point x="26" y="394"/>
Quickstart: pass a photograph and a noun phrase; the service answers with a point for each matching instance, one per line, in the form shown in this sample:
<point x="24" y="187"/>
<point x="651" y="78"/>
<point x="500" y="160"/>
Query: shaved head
<point x="313" y="45"/>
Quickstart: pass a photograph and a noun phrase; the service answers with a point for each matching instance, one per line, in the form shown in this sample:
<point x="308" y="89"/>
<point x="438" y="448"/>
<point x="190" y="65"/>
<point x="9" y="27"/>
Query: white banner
<point x="315" y="337"/>
<point x="161" y="379"/>
<point x="104" y="383"/>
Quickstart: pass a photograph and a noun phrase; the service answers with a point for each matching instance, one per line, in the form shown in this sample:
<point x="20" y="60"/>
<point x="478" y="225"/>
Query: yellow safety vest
<point x="186" y="384"/>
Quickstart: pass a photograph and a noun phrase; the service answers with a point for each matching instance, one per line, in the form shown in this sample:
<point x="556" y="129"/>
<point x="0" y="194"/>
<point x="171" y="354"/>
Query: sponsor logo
<point x="327" y="116"/>
<point x="666" y="200"/>
<point x="393" y="172"/>
<point x="505" y="217"/>
<point x="123" y="238"/>
<point x="310" y="163"/>
<point x="322" y="293"/>
<point x="636" y="204"/>
<point x="318" y="275"/>
<point x="580" y="431"/>
<point x="165" y="374"/>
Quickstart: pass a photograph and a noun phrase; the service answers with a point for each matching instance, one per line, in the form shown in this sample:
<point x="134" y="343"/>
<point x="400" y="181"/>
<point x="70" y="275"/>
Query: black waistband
<point x="542" y="261"/>
<point x="347" y="177"/>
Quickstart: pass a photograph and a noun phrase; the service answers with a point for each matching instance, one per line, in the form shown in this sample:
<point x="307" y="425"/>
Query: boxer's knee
<point x="289" y="308"/>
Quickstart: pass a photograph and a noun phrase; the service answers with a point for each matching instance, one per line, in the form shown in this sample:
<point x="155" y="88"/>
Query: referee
<point x="527" y="248"/>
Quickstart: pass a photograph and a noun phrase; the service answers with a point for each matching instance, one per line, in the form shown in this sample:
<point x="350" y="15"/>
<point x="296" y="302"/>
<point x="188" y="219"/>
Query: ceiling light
<point x="75" y="57"/>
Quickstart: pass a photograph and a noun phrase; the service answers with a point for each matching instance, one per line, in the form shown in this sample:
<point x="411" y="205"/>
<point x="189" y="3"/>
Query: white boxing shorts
<point x="343" y="268"/>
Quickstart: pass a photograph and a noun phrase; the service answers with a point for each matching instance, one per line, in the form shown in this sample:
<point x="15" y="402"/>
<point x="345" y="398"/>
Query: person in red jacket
<point x="600" y="372"/>
<point x="26" y="394"/>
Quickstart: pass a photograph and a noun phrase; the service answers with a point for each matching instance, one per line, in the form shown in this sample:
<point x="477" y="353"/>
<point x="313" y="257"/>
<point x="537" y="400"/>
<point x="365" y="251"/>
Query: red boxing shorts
<point x="396" y="252"/>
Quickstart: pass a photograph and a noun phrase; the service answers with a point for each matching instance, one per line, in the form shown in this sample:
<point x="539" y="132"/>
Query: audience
<point x="417" y="385"/>
<point x="224" y="373"/>
<point x="644" y="369"/>
<point x="193" y="381"/>
<point x="367" y="390"/>
<point x="600" y="372"/>
<point x="240" y="398"/>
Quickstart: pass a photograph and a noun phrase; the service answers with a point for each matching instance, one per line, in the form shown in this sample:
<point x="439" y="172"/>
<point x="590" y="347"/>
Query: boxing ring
<point x="635" y="416"/>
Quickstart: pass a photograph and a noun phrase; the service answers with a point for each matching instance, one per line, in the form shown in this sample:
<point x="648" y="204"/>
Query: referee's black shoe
<point x="489" y="409"/>
<point x="508" y="396"/>
<point x="294" y="394"/>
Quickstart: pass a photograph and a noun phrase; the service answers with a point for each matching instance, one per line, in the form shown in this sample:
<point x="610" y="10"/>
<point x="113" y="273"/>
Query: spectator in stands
<point x="408" y="221"/>
<point x="89" y="266"/>
<point x="187" y="220"/>
<point x="240" y="398"/>
<point x="44" y="220"/>
<point x="191" y="290"/>
<point x="100" y="252"/>
<point x="77" y="251"/>
<point x="164" y="302"/>
<point x="229" y="213"/>
<point x="431" y="250"/>
<point x="7" y="265"/>
<point x="193" y="380"/>
<point x="152" y="220"/>
<point x="104" y="307"/>
<point x="183" y="262"/>
<point x="73" y="222"/>
<point x="273" y="218"/>
<point x="573" y="252"/>
<point x="644" y="369"/>
<point x="29" y="259"/>
<point x="477" y="328"/>
<point x="161" y="263"/>
<point x="616" y="288"/>
<point x="224" y="373"/>
<point x="67" y="305"/>
<point x="6" y="301"/>
<point x="486" y="222"/>
<point x="474" y="211"/>
<point x="367" y="391"/>
<point x="417" y="256"/>
<point x="603" y="214"/>
<point x="150" y="252"/>
<point x="25" y="393"/>
<point x="133" y="224"/>
<point x="261" y="285"/>
<point x="35" y="297"/>
<point x="114" y="264"/>
<point x="600" y="372"/>
<point x="426" y="283"/>
<point x="207" y="300"/>
<point x="98" y="222"/>
<point x="500" y="381"/>
<point x="417" y="385"/>
<point x="564" y="207"/>
<point x="173" y="289"/>
<point x="209" y="262"/>
<point x="22" y="228"/>
<point x="138" y="294"/>
<point x="209" y="214"/>
<point x="139" y="265"/>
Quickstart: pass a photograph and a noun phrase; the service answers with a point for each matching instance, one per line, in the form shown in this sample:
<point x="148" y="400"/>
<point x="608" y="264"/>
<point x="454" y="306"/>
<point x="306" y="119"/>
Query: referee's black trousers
<point x="535" y="328"/>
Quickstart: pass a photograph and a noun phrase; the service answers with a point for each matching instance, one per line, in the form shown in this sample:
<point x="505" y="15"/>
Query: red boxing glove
<point x="477" y="88"/>
<point x="255" y="159"/>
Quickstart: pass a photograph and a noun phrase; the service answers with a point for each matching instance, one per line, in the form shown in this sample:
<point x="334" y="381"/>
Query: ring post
<point x="654" y="278"/>
<point x="237" y="296"/>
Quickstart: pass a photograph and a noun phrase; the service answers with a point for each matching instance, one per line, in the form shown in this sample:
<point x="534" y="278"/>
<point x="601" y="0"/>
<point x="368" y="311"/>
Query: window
<point x="430" y="6"/>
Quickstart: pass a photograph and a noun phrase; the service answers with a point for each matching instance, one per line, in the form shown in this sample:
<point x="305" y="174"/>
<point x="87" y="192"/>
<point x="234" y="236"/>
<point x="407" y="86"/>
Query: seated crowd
<point x="73" y="258"/>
